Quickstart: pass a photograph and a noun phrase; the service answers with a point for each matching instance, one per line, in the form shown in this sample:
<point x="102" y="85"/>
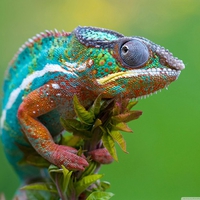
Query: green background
<point x="164" y="151"/>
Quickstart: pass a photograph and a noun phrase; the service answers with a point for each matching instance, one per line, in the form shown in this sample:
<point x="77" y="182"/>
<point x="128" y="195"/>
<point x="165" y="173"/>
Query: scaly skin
<point x="51" y="67"/>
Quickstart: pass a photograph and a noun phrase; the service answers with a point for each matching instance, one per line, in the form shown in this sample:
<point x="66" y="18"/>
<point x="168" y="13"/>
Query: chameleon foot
<point x="101" y="156"/>
<point x="67" y="156"/>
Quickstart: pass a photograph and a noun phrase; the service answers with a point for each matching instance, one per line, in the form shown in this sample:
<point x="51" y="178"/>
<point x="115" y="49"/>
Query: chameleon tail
<point x="26" y="173"/>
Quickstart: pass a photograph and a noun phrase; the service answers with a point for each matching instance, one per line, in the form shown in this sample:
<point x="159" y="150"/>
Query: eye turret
<point x="134" y="53"/>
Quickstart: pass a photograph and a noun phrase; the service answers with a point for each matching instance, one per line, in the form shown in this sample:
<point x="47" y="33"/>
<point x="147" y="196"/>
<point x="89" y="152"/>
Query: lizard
<point x="52" y="67"/>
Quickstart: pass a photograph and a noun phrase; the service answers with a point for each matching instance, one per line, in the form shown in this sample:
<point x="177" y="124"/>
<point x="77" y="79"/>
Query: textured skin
<point x="53" y="66"/>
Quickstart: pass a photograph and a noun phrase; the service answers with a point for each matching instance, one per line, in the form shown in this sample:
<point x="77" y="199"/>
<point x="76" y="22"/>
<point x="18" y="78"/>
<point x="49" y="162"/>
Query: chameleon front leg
<point x="34" y="105"/>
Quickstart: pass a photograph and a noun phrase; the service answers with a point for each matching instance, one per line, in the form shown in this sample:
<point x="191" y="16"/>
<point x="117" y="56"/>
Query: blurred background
<point x="164" y="150"/>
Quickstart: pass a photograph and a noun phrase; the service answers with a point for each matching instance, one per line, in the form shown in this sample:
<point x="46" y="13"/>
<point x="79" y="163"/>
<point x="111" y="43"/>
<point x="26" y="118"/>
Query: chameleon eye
<point x="134" y="53"/>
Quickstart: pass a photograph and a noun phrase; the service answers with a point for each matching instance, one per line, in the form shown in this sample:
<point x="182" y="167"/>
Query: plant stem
<point x="62" y="196"/>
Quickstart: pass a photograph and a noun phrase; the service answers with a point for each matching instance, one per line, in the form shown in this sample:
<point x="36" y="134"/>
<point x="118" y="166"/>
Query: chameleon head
<point x="130" y="66"/>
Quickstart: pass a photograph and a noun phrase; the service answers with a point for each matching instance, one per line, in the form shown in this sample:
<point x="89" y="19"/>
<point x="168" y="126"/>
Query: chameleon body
<point x="51" y="67"/>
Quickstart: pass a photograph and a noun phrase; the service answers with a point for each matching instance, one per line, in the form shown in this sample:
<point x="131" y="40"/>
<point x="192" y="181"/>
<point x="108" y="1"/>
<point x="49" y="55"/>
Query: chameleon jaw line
<point x="138" y="72"/>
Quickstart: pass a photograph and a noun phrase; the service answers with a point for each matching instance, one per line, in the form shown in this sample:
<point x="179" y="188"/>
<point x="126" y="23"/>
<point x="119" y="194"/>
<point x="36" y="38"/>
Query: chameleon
<point x="52" y="67"/>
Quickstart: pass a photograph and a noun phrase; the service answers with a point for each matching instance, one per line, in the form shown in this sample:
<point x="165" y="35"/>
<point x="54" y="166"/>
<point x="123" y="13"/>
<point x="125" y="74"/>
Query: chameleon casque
<point x="51" y="67"/>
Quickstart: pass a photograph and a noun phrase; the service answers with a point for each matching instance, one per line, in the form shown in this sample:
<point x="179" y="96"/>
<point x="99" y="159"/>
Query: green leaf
<point x="36" y="160"/>
<point x="47" y="186"/>
<point x="72" y="124"/>
<point x="105" y="185"/>
<point x="116" y="109"/>
<point x="84" y="115"/>
<point x="109" y="143"/>
<point x="71" y="140"/>
<point x="98" y="195"/>
<point x="85" y="182"/>
<point x="53" y="171"/>
<point x="96" y="124"/>
<point x="126" y="117"/>
<point x="80" y="151"/>
<point x="121" y="126"/>
<point x="131" y="104"/>
<point x="89" y="170"/>
<point x="95" y="109"/>
<point x="41" y="195"/>
<point x="66" y="178"/>
<point x="107" y="105"/>
<point x="76" y="127"/>
<point x="117" y="136"/>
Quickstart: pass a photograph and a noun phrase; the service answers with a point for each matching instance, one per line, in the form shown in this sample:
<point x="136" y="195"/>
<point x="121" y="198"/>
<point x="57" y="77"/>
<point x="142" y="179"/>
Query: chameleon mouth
<point x="140" y="72"/>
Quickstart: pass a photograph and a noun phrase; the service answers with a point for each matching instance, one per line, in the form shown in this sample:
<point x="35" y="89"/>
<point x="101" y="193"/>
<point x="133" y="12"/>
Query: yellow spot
<point x="106" y="56"/>
<point x="101" y="62"/>
<point x="100" y="55"/>
<point x="117" y="69"/>
<point x="94" y="72"/>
